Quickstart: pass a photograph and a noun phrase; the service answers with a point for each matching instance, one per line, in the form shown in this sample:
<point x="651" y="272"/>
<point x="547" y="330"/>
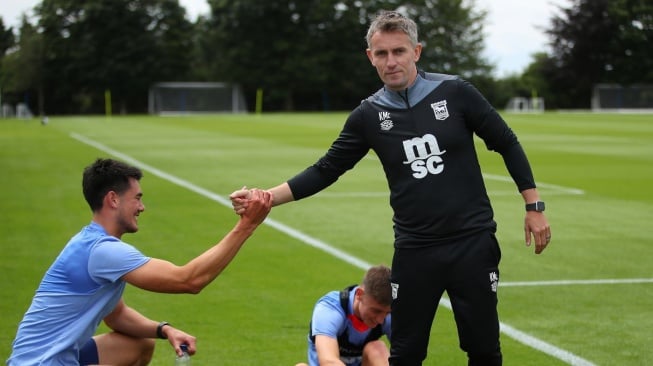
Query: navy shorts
<point x="88" y="353"/>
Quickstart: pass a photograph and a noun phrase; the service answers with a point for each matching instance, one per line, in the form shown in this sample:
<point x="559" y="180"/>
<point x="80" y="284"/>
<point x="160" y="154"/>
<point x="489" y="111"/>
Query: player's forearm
<point x="163" y="276"/>
<point x="205" y="268"/>
<point x="126" y="320"/>
<point x="210" y="264"/>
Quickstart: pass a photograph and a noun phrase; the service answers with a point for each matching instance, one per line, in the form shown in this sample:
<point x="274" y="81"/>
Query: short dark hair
<point x="376" y="283"/>
<point x="106" y="175"/>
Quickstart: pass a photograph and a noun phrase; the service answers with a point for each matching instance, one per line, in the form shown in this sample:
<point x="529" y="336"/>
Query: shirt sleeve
<point x="520" y="170"/>
<point x="111" y="259"/>
<point x="328" y="318"/>
<point x="347" y="150"/>
<point x="486" y="123"/>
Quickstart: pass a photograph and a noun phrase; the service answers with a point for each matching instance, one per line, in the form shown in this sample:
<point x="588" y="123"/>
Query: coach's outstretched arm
<point x="162" y="276"/>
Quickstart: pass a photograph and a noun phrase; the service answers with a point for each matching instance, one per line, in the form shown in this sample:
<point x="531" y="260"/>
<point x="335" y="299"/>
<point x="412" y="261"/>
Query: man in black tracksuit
<point x="421" y="126"/>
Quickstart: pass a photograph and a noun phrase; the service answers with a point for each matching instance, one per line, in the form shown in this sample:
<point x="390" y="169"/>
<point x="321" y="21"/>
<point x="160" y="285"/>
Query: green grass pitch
<point x="587" y="300"/>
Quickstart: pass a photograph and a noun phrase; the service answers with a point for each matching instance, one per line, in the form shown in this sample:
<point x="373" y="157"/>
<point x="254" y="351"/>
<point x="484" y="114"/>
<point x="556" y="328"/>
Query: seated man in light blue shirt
<point x="347" y="325"/>
<point x="84" y="285"/>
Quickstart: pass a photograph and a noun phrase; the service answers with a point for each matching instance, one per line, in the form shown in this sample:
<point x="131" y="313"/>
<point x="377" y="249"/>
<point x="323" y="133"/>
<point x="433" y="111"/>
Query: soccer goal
<point x="522" y="104"/>
<point x="175" y="98"/>
<point x="615" y="97"/>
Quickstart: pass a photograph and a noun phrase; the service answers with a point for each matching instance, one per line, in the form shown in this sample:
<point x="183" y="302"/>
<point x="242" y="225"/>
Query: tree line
<point x="305" y="55"/>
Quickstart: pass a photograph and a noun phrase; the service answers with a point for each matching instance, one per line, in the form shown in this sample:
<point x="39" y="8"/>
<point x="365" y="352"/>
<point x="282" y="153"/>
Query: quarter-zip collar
<point x="409" y="97"/>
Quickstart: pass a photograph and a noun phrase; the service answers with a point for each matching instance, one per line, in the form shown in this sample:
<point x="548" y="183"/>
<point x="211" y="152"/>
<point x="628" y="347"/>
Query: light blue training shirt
<point x="81" y="287"/>
<point x="330" y="319"/>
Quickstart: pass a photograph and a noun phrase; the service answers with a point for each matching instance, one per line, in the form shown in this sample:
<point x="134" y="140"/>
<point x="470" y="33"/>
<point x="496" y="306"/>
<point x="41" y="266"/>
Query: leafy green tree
<point x="295" y="50"/>
<point x="540" y="78"/>
<point x="6" y="38"/>
<point x="6" y="42"/>
<point x="451" y="32"/>
<point x="22" y="69"/>
<point x="600" y="41"/>
<point x="118" y="45"/>
<point x="203" y="51"/>
<point x="311" y="54"/>
<point x="306" y="54"/>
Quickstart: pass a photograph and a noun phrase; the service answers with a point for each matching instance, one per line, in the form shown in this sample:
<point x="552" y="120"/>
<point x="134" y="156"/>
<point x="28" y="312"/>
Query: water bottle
<point x="184" y="359"/>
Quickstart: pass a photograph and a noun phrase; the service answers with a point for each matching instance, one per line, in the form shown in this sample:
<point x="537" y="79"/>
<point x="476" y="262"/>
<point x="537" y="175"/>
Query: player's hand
<point x="259" y="204"/>
<point x="536" y="228"/>
<point x="239" y="200"/>
<point x="178" y="337"/>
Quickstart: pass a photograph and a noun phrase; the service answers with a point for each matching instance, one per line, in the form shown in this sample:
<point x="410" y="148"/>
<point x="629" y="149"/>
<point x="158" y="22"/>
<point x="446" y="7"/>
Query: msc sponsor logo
<point x="423" y="154"/>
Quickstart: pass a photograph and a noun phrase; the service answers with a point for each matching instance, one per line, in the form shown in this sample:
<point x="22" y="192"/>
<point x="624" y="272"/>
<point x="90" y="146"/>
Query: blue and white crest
<point x="440" y="110"/>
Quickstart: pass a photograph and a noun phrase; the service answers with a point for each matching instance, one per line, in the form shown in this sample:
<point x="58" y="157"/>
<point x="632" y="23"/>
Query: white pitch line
<point x="536" y="343"/>
<point x="553" y="187"/>
<point x="519" y="336"/>
<point x="606" y="281"/>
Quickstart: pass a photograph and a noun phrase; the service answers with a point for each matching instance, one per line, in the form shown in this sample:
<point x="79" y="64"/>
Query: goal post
<point x="616" y="97"/>
<point x="176" y="98"/>
<point x="523" y="104"/>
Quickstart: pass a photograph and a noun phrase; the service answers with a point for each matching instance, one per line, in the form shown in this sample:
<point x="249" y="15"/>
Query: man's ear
<point x="418" y="51"/>
<point x="111" y="199"/>
<point x="369" y="56"/>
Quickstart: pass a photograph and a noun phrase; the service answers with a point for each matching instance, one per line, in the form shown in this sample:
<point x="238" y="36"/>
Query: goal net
<point x="195" y="98"/>
<point x="615" y="97"/>
<point x="522" y="104"/>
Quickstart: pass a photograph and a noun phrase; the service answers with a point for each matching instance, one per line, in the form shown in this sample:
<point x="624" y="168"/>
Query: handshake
<point x="252" y="204"/>
<point x="243" y="199"/>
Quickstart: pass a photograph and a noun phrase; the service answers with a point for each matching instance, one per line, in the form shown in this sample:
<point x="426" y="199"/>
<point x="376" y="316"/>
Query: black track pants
<point x="468" y="270"/>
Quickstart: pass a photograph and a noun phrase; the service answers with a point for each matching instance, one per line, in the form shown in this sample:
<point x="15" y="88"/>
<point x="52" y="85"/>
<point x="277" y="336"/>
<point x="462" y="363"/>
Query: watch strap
<point x="535" y="206"/>
<point x="159" y="330"/>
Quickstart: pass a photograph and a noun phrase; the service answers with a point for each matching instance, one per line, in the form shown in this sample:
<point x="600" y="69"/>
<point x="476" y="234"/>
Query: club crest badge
<point x="386" y="125"/>
<point x="494" y="281"/>
<point x="440" y="110"/>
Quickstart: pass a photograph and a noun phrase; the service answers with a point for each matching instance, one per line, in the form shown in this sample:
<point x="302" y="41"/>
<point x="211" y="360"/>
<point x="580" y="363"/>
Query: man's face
<point x="131" y="205"/>
<point x="395" y="58"/>
<point x="371" y="312"/>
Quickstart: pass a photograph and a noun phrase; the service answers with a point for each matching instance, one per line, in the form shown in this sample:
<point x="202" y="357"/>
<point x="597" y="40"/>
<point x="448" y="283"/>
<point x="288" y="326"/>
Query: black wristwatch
<point x="535" y="206"/>
<point x="159" y="330"/>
